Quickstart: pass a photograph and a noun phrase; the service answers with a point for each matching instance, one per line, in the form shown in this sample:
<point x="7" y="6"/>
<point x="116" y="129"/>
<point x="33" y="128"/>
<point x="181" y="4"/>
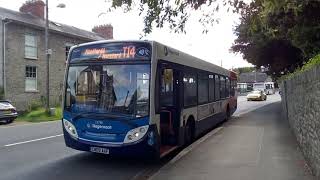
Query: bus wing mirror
<point x="68" y="98"/>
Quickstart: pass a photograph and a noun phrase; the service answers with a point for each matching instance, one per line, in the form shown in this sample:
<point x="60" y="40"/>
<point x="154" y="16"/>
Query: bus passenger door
<point x="169" y="106"/>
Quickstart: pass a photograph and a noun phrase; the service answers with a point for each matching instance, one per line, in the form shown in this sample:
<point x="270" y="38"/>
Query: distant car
<point x="7" y="112"/>
<point x="257" y="95"/>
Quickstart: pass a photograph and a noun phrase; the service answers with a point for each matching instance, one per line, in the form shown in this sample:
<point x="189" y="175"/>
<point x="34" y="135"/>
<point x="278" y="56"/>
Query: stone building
<point x="22" y="55"/>
<point x="246" y="80"/>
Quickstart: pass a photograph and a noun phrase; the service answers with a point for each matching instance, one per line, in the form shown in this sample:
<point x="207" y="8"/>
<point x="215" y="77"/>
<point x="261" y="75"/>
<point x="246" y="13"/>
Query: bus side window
<point x="217" y="88"/>
<point x="190" y="89"/>
<point x="227" y="87"/>
<point x="222" y="87"/>
<point x="211" y="88"/>
<point x="166" y="88"/>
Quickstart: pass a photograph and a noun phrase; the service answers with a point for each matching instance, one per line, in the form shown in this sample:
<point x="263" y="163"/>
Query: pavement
<point x="253" y="145"/>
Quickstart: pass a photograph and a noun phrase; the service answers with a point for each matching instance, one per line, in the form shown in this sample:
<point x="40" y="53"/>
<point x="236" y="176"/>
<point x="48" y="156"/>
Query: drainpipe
<point x="5" y="21"/>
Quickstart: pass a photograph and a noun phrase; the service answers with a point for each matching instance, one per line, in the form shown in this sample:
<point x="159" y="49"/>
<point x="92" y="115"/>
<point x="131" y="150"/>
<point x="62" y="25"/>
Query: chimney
<point x="105" y="31"/>
<point x="34" y="7"/>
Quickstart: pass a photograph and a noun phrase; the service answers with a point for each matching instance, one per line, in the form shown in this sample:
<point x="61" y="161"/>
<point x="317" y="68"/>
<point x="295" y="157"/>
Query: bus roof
<point x="172" y="55"/>
<point x="183" y="58"/>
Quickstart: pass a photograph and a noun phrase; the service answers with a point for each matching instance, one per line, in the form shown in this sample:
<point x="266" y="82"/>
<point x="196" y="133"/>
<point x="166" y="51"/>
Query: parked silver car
<point x="7" y="112"/>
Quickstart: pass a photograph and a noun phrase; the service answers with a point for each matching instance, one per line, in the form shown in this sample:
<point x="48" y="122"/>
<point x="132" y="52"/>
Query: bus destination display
<point x="138" y="51"/>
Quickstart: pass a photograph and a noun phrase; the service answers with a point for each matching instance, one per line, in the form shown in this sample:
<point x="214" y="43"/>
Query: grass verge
<point x="40" y="115"/>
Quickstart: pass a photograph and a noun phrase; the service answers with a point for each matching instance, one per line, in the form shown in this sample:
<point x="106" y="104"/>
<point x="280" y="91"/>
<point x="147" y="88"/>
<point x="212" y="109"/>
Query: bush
<point x="34" y="105"/>
<point x="40" y="115"/>
<point x="309" y="65"/>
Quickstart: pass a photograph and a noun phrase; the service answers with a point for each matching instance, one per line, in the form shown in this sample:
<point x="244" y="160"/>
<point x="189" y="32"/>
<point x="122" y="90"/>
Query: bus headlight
<point x="136" y="134"/>
<point x="69" y="127"/>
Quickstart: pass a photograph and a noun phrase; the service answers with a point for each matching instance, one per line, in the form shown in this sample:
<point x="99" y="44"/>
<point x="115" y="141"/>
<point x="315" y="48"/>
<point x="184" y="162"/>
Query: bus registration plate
<point x="99" y="150"/>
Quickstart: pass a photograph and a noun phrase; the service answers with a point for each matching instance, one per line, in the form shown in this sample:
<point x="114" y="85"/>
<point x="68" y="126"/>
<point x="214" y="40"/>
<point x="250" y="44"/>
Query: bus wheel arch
<point x="189" y="134"/>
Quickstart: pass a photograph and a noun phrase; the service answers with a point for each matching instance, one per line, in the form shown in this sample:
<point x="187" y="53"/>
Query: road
<point x="37" y="151"/>
<point x="245" y="106"/>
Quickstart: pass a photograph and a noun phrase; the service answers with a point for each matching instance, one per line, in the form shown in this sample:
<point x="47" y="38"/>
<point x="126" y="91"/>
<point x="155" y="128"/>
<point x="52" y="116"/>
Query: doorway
<point x="170" y="107"/>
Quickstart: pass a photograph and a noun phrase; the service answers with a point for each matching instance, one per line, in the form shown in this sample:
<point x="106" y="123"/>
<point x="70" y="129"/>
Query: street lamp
<point x="48" y="51"/>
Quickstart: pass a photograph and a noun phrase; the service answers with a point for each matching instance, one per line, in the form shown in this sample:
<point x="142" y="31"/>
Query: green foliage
<point x="40" y="115"/>
<point x="33" y="105"/>
<point x="307" y="66"/>
<point x="279" y="34"/>
<point x="244" y="70"/>
<point x="175" y="13"/>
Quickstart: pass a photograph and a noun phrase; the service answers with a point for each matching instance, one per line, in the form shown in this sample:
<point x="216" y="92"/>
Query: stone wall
<point x="16" y="65"/>
<point x="1" y="53"/>
<point x="301" y="106"/>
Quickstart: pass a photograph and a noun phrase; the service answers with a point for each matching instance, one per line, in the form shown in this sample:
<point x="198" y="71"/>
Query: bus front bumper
<point x="148" y="146"/>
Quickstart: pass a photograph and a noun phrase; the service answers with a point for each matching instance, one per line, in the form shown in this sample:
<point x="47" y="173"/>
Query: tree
<point x="244" y="70"/>
<point x="175" y="13"/>
<point x="279" y="34"/>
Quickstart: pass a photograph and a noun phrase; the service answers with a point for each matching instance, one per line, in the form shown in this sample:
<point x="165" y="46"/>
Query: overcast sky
<point x="213" y="47"/>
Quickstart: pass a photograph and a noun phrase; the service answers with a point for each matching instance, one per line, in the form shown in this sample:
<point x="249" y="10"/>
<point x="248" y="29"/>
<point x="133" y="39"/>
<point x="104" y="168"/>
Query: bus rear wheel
<point x="228" y="113"/>
<point x="189" y="133"/>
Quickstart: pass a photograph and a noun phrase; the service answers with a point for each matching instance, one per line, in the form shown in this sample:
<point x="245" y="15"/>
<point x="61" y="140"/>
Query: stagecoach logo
<point x="98" y="126"/>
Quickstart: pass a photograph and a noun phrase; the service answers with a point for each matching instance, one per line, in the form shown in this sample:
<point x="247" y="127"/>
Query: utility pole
<point x="255" y="75"/>
<point x="48" y="52"/>
<point x="47" y="55"/>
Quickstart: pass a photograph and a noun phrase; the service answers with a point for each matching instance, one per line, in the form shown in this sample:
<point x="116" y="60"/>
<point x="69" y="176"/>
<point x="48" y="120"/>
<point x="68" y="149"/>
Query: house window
<point x="31" y="78"/>
<point x="31" y="46"/>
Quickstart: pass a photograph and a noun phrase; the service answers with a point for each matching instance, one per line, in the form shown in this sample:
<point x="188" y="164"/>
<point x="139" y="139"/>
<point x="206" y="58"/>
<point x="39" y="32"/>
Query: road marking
<point x="260" y="146"/>
<point x="187" y="150"/>
<point x="33" y="140"/>
<point x="29" y="124"/>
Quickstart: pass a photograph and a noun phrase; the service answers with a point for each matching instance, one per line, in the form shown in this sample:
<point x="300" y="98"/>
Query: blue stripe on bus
<point x="142" y="148"/>
<point x="105" y="130"/>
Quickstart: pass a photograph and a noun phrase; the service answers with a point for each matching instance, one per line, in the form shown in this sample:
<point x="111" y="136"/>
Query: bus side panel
<point x="208" y="123"/>
<point x="209" y="115"/>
